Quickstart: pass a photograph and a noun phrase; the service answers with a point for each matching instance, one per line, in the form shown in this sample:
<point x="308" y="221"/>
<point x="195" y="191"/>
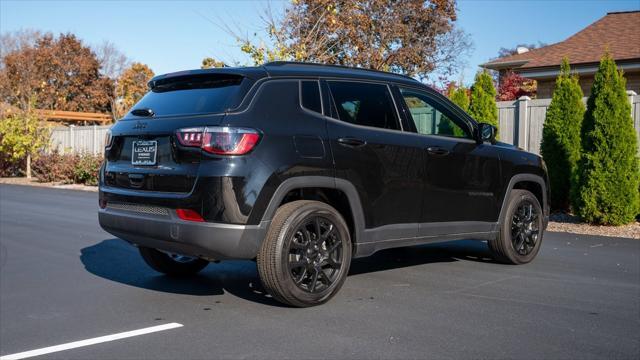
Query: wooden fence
<point x="521" y="121"/>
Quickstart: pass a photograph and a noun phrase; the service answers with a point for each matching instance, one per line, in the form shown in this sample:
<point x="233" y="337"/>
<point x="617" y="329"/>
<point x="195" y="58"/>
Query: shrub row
<point x="67" y="168"/>
<point x="592" y="155"/>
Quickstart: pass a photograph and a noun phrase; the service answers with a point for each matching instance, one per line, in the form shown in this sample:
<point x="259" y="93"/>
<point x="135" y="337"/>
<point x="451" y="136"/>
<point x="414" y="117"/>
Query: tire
<point x="166" y="264"/>
<point x="518" y="242"/>
<point x="298" y="267"/>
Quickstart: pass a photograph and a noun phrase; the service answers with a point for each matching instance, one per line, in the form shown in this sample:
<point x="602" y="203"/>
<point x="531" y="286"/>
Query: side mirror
<point x="486" y="132"/>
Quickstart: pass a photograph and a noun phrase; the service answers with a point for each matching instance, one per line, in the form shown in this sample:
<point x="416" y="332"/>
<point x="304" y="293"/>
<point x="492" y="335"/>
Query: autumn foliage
<point x="58" y="74"/>
<point x="513" y="86"/>
<point x="414" y="37"/>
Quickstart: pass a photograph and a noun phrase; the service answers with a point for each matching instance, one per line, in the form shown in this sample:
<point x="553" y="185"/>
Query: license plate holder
<point x="143" y="152"/>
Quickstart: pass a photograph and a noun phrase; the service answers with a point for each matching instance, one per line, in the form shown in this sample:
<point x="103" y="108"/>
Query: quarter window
<point x="428" y="119"/>
<point x="310" y="96"/>
<point x="364" y="104"/>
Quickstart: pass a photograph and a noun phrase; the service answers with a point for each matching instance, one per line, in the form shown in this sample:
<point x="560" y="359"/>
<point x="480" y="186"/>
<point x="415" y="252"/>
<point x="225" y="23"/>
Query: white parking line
<point x="87" y="342"/>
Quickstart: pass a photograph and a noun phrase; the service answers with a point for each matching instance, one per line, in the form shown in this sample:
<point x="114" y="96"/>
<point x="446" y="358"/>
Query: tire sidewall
<point x="286" y="237"/>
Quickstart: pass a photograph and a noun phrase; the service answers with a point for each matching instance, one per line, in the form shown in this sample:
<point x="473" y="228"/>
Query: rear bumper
<point x="165" y="231"/>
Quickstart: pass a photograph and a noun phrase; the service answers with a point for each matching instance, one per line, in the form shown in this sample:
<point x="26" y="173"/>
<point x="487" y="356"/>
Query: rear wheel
<point x="172" y="264"/>
<point x="305" y="257"/>
<point x="521" y="230"/>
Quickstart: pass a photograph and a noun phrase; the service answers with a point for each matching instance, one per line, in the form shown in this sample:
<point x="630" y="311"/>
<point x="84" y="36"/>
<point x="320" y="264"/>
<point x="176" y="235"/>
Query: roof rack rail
<point x="284" y="63"/>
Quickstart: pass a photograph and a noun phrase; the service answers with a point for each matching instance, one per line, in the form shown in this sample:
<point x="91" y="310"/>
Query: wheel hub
<point x="525" y="228"/>
<point x="315" y="255"/>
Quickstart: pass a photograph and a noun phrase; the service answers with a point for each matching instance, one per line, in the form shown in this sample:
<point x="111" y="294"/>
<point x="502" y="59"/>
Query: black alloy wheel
<point x="525" y="228"/>
<point x="315" y="254"/>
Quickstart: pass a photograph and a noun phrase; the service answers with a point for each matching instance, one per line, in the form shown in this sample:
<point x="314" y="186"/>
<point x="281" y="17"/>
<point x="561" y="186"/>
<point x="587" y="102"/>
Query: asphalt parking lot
<point x="62" y="279"/>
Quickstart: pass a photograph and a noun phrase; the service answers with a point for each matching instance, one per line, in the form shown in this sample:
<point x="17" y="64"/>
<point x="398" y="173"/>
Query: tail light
<point x="219" y="140"/>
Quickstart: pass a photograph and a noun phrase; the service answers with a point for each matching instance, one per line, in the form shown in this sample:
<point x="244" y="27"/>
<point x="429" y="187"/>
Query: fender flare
<point x="525" y="177"/>
<point x="300" y="182"/>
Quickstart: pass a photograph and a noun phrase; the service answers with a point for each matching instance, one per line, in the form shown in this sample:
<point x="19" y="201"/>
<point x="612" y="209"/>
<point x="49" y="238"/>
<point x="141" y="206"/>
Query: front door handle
<point x="351" y="142"/>
<point x="437" y="151"/>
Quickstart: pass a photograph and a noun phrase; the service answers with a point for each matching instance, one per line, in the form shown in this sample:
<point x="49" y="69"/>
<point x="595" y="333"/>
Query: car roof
<point x="299" y="69"/>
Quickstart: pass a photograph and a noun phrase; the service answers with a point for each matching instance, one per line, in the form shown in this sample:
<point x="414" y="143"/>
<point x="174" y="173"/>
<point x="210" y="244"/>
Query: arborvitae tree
<point x="459" y="96"/>
<point x="483" y="100"/>
<point x="608" y="175"/>
<point x="560" y="146"/>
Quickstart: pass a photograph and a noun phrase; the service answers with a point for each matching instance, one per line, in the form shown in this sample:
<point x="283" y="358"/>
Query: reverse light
<point x="189" y="215"/>
<point x="220" y="140"/>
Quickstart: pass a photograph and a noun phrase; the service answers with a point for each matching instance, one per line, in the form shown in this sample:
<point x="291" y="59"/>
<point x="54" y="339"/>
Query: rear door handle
<point x="351" y="142"/>
<point x="437" y="151"/>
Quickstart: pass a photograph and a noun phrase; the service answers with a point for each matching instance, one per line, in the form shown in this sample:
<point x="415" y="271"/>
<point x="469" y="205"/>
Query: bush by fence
<point x="67" y="168"/>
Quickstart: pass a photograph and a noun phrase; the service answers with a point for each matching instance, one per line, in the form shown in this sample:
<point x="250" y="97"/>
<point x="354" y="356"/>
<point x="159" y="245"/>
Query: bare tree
<point x="112" y="60"/>
<point x="16" y="41"/>
<point x="112" y="64"/>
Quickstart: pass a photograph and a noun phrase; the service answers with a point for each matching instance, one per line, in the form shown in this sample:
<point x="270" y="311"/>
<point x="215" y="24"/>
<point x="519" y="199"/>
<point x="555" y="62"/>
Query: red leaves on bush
<point x="512" y="86"/>
<point x="67" y="168"/>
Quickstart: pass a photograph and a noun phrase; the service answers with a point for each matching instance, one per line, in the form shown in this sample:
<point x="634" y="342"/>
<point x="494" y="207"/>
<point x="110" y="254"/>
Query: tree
<point x="112" y="63"/>
<point x="131" y="86"/>
<point x="16" y="41"/>
<point x="560" y="145"/>
<point x="608" y="175"/>
<point x="513" y="86"/>
<point x="416" y="38"/>
<point x="22" y="135"/>
<point x="482" y="106"/>
<point x="459" y="95"/>
<point x="208" y="63"/>
<point x="61" y="73"/>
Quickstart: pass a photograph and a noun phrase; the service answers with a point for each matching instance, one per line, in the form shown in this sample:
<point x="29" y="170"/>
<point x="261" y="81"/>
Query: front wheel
<point x="521" y="230"/>
<point x="171" y="264"/>
<point x="305" y="257"/>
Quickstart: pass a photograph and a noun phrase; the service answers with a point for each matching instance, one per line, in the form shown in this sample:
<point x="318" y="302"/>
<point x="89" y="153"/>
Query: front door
<point x="462" y="177"/>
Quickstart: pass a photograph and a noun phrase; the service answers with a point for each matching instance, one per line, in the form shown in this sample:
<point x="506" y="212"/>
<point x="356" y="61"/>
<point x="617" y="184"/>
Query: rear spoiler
<point x="228" y="72"/>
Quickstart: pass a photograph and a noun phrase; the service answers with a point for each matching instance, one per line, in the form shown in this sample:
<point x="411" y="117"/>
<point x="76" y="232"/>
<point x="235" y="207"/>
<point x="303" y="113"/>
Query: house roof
<point x="617" y="31"/>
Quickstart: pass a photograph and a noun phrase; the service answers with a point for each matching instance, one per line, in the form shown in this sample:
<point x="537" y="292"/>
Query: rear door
<point x="371" y="151"/>
<point x="462" y="178"/>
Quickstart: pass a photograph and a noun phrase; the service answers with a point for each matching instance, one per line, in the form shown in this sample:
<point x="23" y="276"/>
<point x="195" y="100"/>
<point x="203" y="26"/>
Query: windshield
<point x="191" y="95"/>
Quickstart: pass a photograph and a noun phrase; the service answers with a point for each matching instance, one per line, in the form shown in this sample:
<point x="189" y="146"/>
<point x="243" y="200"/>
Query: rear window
<point x="192" y="94"/>
<point x="364" y="104"/>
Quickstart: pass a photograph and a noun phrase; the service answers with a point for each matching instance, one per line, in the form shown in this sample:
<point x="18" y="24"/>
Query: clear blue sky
<point x="177" y="35"/>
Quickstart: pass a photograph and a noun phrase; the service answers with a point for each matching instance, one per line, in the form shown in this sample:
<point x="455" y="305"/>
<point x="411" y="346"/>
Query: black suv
<point x="304" y="167"/>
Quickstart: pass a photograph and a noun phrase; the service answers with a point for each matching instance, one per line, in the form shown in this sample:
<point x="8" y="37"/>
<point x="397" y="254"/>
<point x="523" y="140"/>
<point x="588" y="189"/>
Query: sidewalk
<point x="35" y="182"/>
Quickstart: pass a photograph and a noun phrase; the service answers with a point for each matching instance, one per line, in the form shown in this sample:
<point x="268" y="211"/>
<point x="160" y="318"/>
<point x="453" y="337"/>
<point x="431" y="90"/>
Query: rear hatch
<point x="143" y="152"/>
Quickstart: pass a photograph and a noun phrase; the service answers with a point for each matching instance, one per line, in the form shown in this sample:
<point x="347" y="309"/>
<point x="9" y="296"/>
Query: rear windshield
<point x="191" y="95"/>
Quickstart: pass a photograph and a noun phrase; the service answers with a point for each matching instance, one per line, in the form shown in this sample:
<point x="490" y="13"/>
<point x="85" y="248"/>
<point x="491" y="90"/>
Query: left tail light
<point x="220" y="140"/>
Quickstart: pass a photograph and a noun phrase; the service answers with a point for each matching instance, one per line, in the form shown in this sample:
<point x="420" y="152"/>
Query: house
<point x="617" y="32"/>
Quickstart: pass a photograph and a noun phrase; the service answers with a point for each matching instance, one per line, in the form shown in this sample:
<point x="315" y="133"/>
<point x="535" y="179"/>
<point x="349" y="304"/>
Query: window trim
<point x="442" y="107"/>
<point x="319" y="95"/>
<point x="389" y="93"/>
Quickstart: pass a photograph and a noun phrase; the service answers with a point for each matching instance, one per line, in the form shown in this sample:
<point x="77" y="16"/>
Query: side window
<point x="310" y="96"/>
<point x="428" y="119"/>
<point x="364" y="104"/>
